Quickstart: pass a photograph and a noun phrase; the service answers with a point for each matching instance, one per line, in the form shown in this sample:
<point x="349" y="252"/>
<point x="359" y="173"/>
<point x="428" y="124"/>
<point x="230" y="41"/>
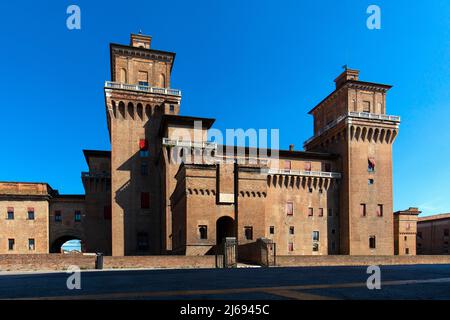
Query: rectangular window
<point x="310" y="212"/>
<point x="406" y="250"/>
<point x="11" y="244"/>
<point x="320" y="212"/>
<point x="380" y="210"/>
<point x="291" y="230"/>
<point x="372" y="242"/>
<point x="30" y="213"/>
<point x="371" y="165"/>
<point x="77" y="216"/>
<point x="316" y="236"/>
<point x="10" y="215"/>
<point x="31" y="246"/>
<point x="366" y="106"/>
<point x="362" y="209"/>
<point x="272" y="230"/>
<point x="287" y="166"/>
<point x="144" y="169"/>
<point x="315" y="247"/>
<point x="142" y="241"/>
<point x="248" y="233"/>
<point x="330" y="212"/>
<point x="289" y="208"/>
<point x="203" y="231"/>
<point x="107" y="212"/>
<point x="172" y="108"/>
<point x="145" y="200"/>
<point x="58" y="216"/>
<point x="307" y="166"/>
<point x="291" y="246"/>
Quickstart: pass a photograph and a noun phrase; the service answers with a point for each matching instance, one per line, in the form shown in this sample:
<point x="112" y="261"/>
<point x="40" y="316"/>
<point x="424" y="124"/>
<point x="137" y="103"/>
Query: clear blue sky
<point x="249" y="64"/>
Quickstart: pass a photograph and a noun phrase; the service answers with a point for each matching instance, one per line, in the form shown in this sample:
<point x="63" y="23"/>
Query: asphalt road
<point x="397" y="282"/>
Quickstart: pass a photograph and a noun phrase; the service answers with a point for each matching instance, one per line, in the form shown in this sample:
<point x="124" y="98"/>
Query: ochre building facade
<point x="165" y="189"/>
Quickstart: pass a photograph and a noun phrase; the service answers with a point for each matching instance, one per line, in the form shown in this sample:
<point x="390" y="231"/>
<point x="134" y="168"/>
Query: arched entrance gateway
<point x="57" y="245"/>
<point x="224" y="228"/>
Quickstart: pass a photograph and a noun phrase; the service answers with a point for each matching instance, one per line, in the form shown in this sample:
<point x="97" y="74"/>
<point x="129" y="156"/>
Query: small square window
<point x="315" y="247"/>
<point x="11" y="243"/>
<point x="362" y="209"/>
<point x="30" y="214"/>
<point x="289" y="208"/>
<point x="380" y="210"/>
<point x="58" y="216"/>
<point x="290" y="246"/>
<point x="10" y="214"/>
<point x="271" y="230"/>
<point x="371" y="182"/>
<point x="291" y="230"/>
<point x="372" y="242"/>
<point x="248" y="233"/>
<point x="316" y="236"/>
<point x="77" y="216"/>
<point x="31" y="245"/>
<point x="203" y="231"/>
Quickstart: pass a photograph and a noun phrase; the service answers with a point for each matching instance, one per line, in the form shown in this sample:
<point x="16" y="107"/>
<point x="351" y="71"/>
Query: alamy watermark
<point x="74" y="280"/>
<point x="73" y="21"/>
<point x="374" y="20"/>
<point x="374" y="280"/>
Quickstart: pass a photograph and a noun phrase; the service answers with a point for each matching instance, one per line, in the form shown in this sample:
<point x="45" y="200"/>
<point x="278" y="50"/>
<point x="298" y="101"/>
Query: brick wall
<point x="310" y="261"/>
<point x="44" y="262"/>
<point x="55" y="262"/>
<point x="176" y="262"/>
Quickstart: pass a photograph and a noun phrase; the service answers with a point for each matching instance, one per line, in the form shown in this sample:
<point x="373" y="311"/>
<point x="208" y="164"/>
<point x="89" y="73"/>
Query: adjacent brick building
<point x="165" y="189"/>
<point x="433" y="234"/>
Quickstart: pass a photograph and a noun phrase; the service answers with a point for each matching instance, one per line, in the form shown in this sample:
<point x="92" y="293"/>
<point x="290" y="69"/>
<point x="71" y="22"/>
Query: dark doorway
<point x="224" y="229"/>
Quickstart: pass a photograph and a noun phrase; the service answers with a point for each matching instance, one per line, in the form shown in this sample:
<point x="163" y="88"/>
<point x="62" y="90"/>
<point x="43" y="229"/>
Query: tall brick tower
<point x="352" y="122"/>
<point x="136" y="98"/>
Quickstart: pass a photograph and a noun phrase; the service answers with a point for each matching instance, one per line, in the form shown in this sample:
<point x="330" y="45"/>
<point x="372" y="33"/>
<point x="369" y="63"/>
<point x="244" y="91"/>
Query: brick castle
<point x="335" y="197"/>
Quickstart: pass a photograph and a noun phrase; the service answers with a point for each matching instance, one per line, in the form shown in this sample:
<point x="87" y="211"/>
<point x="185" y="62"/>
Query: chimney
<point x="291" y="147"/>
<point x="348" y="74"/>
<point x="140" y="41"/>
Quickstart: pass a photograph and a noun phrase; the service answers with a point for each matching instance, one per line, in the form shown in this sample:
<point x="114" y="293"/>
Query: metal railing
<point x="188" y="144"/>
<point x="140" y="88"/>
<point x="321" y="174"/>
<point x="354" y="114"/>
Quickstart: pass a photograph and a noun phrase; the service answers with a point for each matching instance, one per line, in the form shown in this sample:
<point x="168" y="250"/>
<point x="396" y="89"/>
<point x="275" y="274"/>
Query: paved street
<point x="398" y="282"/>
